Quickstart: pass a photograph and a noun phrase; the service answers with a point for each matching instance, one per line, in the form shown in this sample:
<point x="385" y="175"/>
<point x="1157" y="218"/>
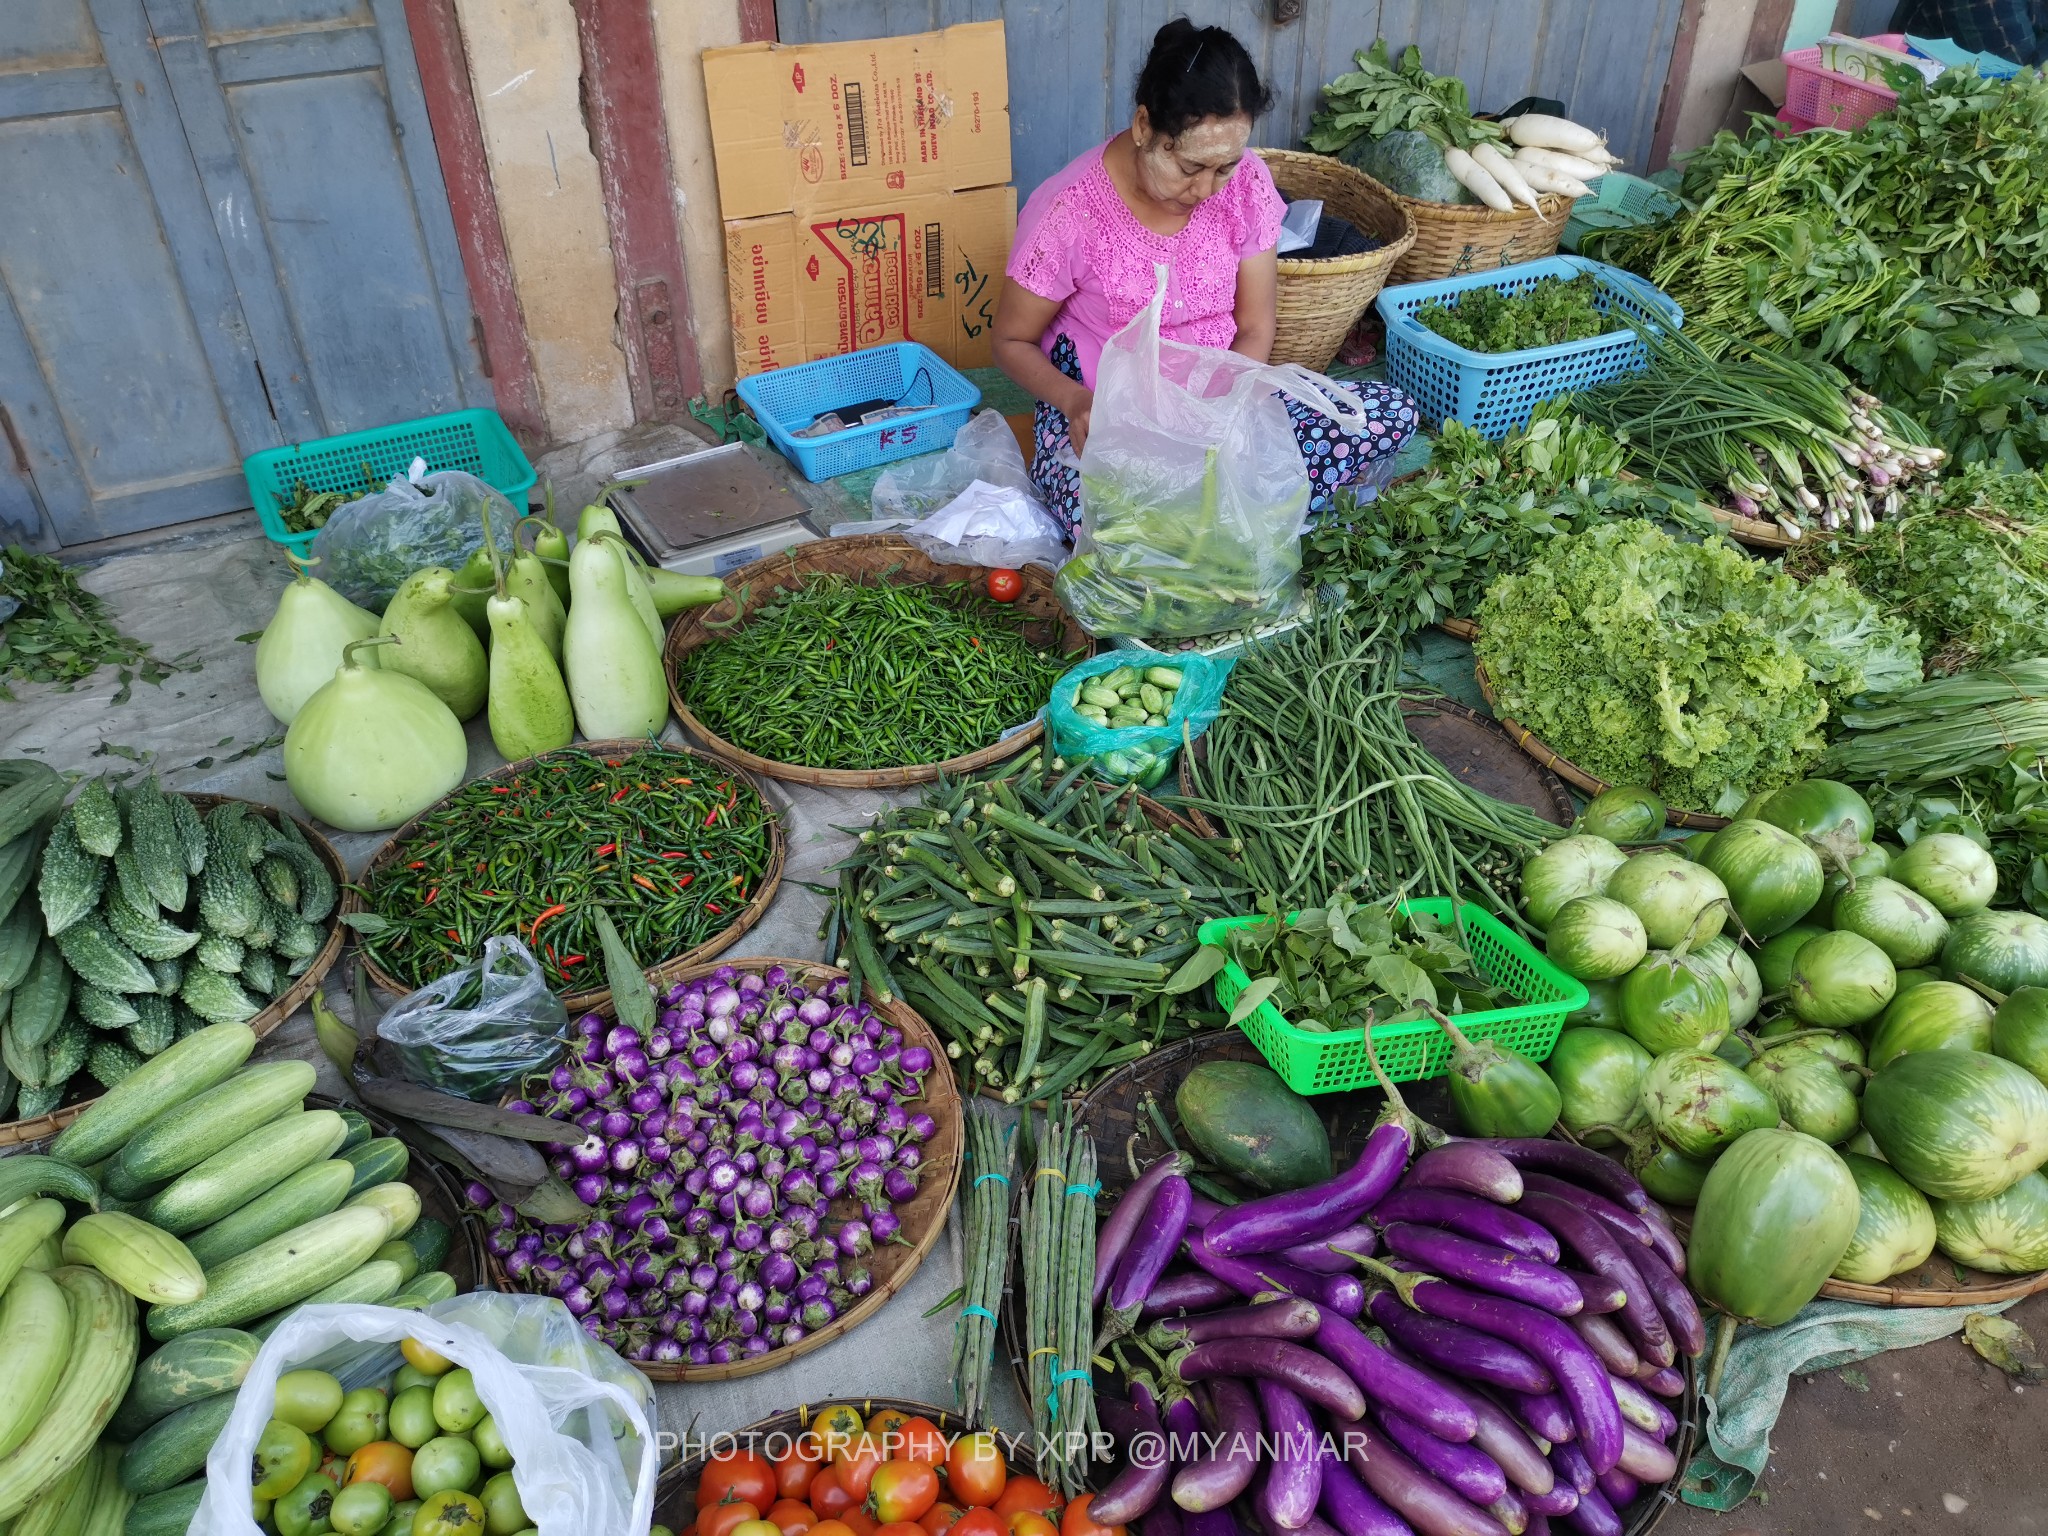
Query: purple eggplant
<point x="1664" y="1239"/>
<point x="1211" y="1522"/>
<point x="1329" y="1255"/>
<point x="1674" y="1301"/>
<point x="1498" y="1434"/>
<point x="1212" y="1481"/>
<point x="1294" y="1476"/>
<point x="1342" y="1294"/>
<point x="1601" y="1250"/>
<point x="1544" y="1414"/>
<point x="1426" y="1504"/>
<point x="1643" y="1410"/>
<point x="1137" y="1487"/>
<point x="1625" y="1223"/>
<point x="1321" y="1380"/>
<point x="1510" y="1510"/>
<point x="1582" y="1165"/>
<point x="1162" y="1519"/>
<point x="1115" y="1233"/>
<point x="1618" y="1488"/>
<point x="1315" y="1525"/>
<point x="1599" y="1294"/>
<point x="1472" y="1217"/>
<point x="1295" y="1216"/>
<point x="1464" y="1469"/>
<point x="1202" y="1210"/>
<point x="1472" y="1167"/>
<point x="1484" y="1267"/>
<point x="1464" y="1351"/>
<point x="1445" y="1413"/>
<point x="1667" y="1382"/>
<point x="1121" y="1418"/>
<point x="1562" y="1499"/>
<point x="1151" y="1247"/>
<point x="1607" y="1343"/>
<point x="1352" y="1507"/>
<point x="1594" y="1515"/>
<point x="1572" y="1466"/>
<point x="1290" y="1317"/>
<point x="1644" y="1457"/>
<point x="1191" y="1290"/>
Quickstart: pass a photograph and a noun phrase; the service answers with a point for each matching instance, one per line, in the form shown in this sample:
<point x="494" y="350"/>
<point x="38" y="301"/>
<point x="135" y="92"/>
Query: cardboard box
<point x="864" y="191"/>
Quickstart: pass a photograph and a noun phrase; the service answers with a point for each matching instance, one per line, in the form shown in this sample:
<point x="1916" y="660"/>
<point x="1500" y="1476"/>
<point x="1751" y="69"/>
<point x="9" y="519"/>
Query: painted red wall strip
<point x="757" y="21"/>
<point x="459" y="146"/>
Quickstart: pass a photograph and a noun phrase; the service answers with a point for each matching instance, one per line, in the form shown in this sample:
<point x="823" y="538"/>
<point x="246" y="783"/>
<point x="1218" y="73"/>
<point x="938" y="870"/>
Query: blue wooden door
<point x="225" y="229"/>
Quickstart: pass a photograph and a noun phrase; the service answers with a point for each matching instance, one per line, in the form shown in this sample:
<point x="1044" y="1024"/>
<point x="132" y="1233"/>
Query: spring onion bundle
<point x="1946" y="728"/>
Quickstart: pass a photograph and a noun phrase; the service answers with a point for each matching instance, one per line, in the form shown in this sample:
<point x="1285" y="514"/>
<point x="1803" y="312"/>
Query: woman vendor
<point x="1176" y="187"/>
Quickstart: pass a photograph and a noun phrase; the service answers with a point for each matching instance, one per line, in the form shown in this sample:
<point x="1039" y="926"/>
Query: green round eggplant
<point x="1840" y="979"/>
<point x="1774" y="958"/>
<point x="1572" y="866"/>
<point x="1596" y="938"/>
<point x="1872" y="863"/>
<point x="1673" y="1001"/>
<point x="1774" y="1217"/>
<point x="2003" y="950"/>
<point x="2002" y="1234"/>
<point x="1773" y="878"/>
<point x="1894" y="1224"/>
<point x="1623" y="816"/>
<point x="1819" y="808"/>
<point x="1698" y="1104"/>
<point x="1809" y="1092"/>
<point x="1915" y="976"/>
<point x="2019" y="1030"/>
<point x="1668" y="1176"/>
<point x="1738" y="974"/>
<point x="1676" y="898"/>
<point x="1958" y="1125"/>
<point x="1602" y="1009"/>
<point x="1941" y="1016"/>
<point x="1499" y="1092"/>
<point x="1894" y="917"/>
<point x="1954" y="873"/>
<point x="1599" y="1076"/>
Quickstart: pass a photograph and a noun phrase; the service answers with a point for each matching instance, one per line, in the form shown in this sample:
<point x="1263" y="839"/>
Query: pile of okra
<point x="1034" y="916"/>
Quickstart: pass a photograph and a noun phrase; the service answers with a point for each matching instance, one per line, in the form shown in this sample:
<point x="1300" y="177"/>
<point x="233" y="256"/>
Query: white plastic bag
<point x="368" y="548"/>
<point x="574" y="1416"/>
<point x="985" y="449"/>
<point x="974" y="504"/>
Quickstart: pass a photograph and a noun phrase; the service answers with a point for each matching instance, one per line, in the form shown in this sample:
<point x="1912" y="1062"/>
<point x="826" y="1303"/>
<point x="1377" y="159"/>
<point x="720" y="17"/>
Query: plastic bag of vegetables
<point x="576" y="1419"/>
<point x="368" y="548"/>
<point x="1128" y="712"/>
<point x="1193" y="495"/>
<point x="481" y="1028"/>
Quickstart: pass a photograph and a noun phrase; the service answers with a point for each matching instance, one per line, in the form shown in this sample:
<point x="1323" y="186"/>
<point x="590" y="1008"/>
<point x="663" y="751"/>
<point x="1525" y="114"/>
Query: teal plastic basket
<point x="1619" y="201"/>
<point x="1312" y="1061"/>
<point x="477" y="442"/>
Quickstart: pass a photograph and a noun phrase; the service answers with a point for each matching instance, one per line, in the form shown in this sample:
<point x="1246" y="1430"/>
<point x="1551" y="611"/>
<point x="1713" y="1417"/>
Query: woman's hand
<point x="1077" y="420"/>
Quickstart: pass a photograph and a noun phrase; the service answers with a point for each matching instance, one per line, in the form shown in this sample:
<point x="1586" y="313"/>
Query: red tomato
<point x="902" y="1490"/>
<point x="796" y="1467"/>
<point x="829" y="1496"/>
<point x="721" y="1519"/>
<point x="975" y="1470"/>
<point x="980" y="1522"/>
<point x="863" y="1523"/>
<point x="900" y="1528"/>
<point x="831" y="1528"/>
<point x="791" y="1517"/>
<point x="921" y="1440"/>
<point x="386" y="1462"/>
<point x="885" y="1423"/>
<point x="940" y="1518"/>
<point x="737" y="1475"/>
<point x="1027" y="1493"/>
<point x="857" y="1462"/>
<point x="1078" y="1522"/>
<point x="1005" y="586"/>
<point x="1029" y="1522"/>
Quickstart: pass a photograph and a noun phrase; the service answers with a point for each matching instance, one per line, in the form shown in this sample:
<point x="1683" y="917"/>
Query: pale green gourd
<point x="527" y="579"/>
<point x="473" y="585"/>
<point x="372" y="748"/>
<point x="612" y="667"/>
<point x="673" y="591"/>
<point x="551" y="548"/>
<point x="595" y="519"/>
<point x="302" y="644"/>
<point x="530" y="709"/>
<point x="636" y="587"/>
<point x="437" y="647"/>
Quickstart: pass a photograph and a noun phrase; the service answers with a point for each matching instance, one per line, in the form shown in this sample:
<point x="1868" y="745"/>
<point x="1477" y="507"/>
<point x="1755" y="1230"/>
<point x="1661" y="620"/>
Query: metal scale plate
<point x="709" y="513"/>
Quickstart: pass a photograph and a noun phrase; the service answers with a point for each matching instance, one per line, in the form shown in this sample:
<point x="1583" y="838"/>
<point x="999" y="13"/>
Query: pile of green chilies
<point x="1034" y="917"/>
<point x="1311" y="769"/>
<point x="671" y="845"/>
<point x="843" y="674"/>
<point x="1056" y="1222"/>
<point x="985" y="1268"/>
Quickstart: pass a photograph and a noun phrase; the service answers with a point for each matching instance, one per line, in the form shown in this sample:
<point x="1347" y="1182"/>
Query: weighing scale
<point x="711" y="512"/>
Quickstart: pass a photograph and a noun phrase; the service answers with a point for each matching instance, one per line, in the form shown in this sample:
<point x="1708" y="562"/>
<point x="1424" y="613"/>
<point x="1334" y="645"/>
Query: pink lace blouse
<point x="1078" y="242"/>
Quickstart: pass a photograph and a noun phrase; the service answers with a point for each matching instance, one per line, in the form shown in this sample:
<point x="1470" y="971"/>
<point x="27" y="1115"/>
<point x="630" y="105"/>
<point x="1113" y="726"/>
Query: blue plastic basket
<point x="1494" y="392"/>
<point x="477" y="442"/>
<point x="786" y="400"/>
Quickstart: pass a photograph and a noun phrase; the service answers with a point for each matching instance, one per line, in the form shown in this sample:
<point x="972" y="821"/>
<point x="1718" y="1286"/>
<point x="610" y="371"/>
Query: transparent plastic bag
<point x="974" y="504"/>
<point x="481" y="1028"/>
<point x="985" y="449"/>
<point x="368" y="548"/>
<point x="1193" y="493"/>
<point x="1136" y="754"/>
<point x="577" y="1419"/>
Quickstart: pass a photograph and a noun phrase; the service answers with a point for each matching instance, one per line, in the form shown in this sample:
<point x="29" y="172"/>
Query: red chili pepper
<point x="684" y="881"/>
<point x="569" y="960"/>
<point x="555" y="911"/>
<point x="454" y="935"/>
<point x="675" y="855"/>
<point x="417" y="864"/>
<point x="828" y="645"/>
<point x="605" y="848"/>
<point x="500" y="789"/>
<point x="713" y="817"/>
<point x="624" y="790"/>
<point x="431" y="895"/>
<point x="977" y="641"/>
<point x="643" y="882"/>
<point x="712" y="906"/>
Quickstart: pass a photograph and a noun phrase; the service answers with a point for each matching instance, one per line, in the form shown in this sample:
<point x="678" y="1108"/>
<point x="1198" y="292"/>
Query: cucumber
<point x="23" y="1231"/>
<point x="32" y="1174"/>
<point x="373" y="1281"/>
<point x="398" y="1253"/>
<point x="102" y="1356"/>
<point x="42" y="999"/>
<point x="146" y="1262"/>
<point x="359" y="1128"/>
<point x="186" y="1070"/>
<point x="48" y="1256"/>
<point x="209" y="1363"/>
<point x="169" y="1513"/>
<point x="245" y="1168"/>
<point x="381" y="1160"/>
<point x="175" y="1448"/>
<point x="422" y="1291"/>
<point x="311" y="1192"/>
<point x="35" y="1341"/>
<point x="21" y="935"/>
<point x="400" y="1204"/>
<point x="17" y="869"/>
<point x="430" y="1241"/>
<point x="275" y="1274"/>
<point x="184" y="1137"/>
<point x="111" y="1502"/>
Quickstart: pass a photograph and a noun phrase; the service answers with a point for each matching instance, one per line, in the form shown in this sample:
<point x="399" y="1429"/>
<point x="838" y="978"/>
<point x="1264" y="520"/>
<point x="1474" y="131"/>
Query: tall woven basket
<point x="1454" y="238"/>
<point x="1319" y="301"/>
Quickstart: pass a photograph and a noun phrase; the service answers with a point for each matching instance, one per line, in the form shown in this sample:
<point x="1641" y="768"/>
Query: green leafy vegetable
<point x="1555" y="310"/>
<point x="62" y="633"/>
<point x="1379" y="97"/>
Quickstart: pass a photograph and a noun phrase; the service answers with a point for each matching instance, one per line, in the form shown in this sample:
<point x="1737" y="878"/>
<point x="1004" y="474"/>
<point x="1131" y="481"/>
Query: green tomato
<point x="490" y="1445"/>
<point x="456" y="1406"/>
<point x="360" y="1420"/>
<point x="307" y="1398"/>
<point x="443" y="1463"/>
<point x="259" y="1510"/>
<point x="503" y="1513"/>
<point x="361" y="1509"/>
<point x="283" y="1455"/>
<point x="412" y="1417"/>
<point x="450" y="1513"/>
<point x="410" y="1376"/>
<point x="305" y="1510"/>
<point x="400" y="1523"/>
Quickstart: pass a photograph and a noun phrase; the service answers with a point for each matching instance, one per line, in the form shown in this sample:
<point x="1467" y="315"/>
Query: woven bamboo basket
<point x="1572" y="774"/>
<point x="1320" y="301"/>
<point x="1454" y="238"/>
<point x="868" y="557"/>
<point x="288" y="1002"/>
<point x="923" y="1218"/>
<point x="667" y="971"/>
<point x="468" y="1262"/>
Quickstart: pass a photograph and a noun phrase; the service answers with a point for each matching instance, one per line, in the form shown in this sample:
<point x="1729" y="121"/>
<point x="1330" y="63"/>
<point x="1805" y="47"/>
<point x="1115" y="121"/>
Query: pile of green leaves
<point x="1690" y="668"/>
<point x="307" y="510"/>
<point x="1965" y="563"/>
<point x="1910" y="251"/>
<point x="1430" y="546"/>
<point x="1555" y="310"/>
<point x="62" y="633"/>
<point x="1379" y="97"/>
<point x="1344" y="965"/>
<point x="2003" y="809"/>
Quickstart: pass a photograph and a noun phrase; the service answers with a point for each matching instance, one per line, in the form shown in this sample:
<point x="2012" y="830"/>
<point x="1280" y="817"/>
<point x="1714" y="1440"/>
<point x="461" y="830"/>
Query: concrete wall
<point x="683" y="29"/>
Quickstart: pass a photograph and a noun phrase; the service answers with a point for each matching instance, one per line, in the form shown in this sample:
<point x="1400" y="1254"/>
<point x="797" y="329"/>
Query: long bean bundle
<point x="1057" y="1224"/>
<point x="839" y="673"/>
<point x="1311" y="766"/>
<point x="985" y="1208"/>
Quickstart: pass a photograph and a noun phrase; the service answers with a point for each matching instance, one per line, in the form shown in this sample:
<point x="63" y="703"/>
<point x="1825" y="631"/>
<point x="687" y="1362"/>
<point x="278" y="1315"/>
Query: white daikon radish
<point x="1556" y="160"/>
<point x="1554" y="181"/>
<point x="1502" y="170"/>
<point x="1476" y="181"/>
<point x="1540" y="132"/>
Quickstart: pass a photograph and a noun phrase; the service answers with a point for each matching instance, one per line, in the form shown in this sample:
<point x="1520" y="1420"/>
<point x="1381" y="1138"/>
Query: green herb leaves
<point x="63" y="633"/>
<point x="1553" y="311"/>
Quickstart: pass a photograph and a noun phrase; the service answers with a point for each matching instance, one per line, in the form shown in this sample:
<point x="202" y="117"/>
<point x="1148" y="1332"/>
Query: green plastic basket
<point x="1619" y="201"/>
<point x="477" y="442"/>
<point x="1309" y="1061"/>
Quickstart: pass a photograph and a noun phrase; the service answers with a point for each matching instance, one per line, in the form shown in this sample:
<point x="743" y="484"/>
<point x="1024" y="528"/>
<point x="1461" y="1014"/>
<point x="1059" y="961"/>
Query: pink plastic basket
<point x="1824" y="99"/>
